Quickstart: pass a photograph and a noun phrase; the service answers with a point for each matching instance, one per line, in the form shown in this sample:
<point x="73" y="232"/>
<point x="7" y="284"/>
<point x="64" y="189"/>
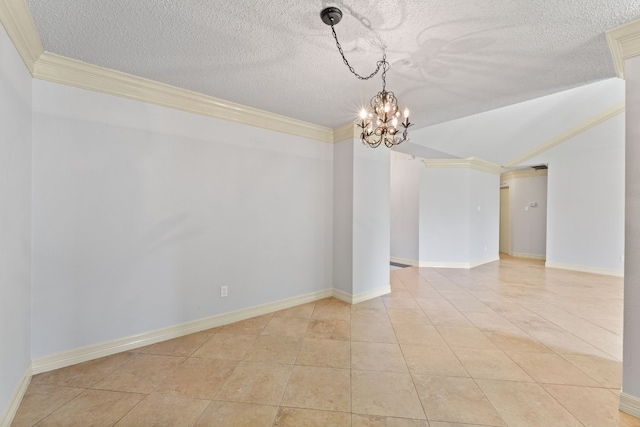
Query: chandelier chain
<point x="380" y="64"/>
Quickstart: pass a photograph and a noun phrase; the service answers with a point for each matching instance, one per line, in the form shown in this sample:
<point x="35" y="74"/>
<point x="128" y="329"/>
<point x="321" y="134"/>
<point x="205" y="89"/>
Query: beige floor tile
<point x="332" y="312"/>
<point x="372" y="304"/>
<point x="407" y="302"/>
<point x="83" y="375"/>
<point x="400" y="315"/>
<point x="93" y="408"/>
<point x="362" y="330"/>
<point x="470" y="305"/>
<point x="296" y="417"/>
<point x="256" y="382"/>
<point x="312" y="387"/>
<point x="435" y="304"/>
<point x="455" y="399"/>
<point x="445" y="424"/>
<point x="384" y="393"/>
<point x="40" y="401"/>
<point x="158" y="410"/>
<point x="460" y="337"/>
<point x="626" y="420"/>
<point x="520" y="342"/>
<point x="329" y="329"/>
<point x="303" y="311"/>
<point x="490" y="321"/>
<point x="370" y="356"/>
<point x="230" y="414"/>
<point x="424" y="359"/>
<point x="371" y="316"/>
<point x="448" y="318"/>
<point x="593" y="407"/>
<point x="606" y="372"/>
<point x="183" y="347"/>
<point x="274" y="348"/>
<point x="292" y="327"/>
<point x="565" y="343"/>
<point x="141" y="374"/>
<point x="326" y="353"/>
<point x="379" y="421"/>
<point x="252" y="326"/>
<point x="551" y="368"/>
<point x="198" y="378"/>
<point x="411" y="333"/>
<point x="490" y="364"/>
<point x="226" y="346"/>
<point x="526" y="404"/>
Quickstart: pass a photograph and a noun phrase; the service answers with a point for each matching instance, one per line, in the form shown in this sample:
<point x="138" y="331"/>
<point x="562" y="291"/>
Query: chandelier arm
<point x="379" y="64"/>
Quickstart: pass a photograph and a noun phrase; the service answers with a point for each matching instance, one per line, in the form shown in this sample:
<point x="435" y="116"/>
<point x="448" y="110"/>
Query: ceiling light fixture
<point x="380" y="122"/>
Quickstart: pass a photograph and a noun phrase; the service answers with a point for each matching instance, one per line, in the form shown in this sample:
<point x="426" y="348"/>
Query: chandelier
<point x="381" y="121"/>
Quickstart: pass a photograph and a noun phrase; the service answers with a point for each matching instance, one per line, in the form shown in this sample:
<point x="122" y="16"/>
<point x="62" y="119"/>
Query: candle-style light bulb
<point x="363" y="114"/>
<point x="394" y="122"/>
<point x="406" y="112"/>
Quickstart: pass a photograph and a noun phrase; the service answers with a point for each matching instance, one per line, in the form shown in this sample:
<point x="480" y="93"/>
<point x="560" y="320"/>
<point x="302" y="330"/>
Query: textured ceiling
<point x="449" y="58"/>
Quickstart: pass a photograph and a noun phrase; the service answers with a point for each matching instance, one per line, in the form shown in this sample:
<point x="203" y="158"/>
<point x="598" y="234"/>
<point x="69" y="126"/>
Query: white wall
<point x="371" y="218"/>
<point x="484" y="217"/>
<point x="361" y="218"/>
<point x="343" y="216"/>
<point x="631" y="350"/>
<point x="15" y="220"/>
<point x="444" y="216"/>
<point x="141" y="213"/>
<point x="585" y="196"/>
<point x="459" y="217"/>
<point x="528" y="224"/>
<point x="405" y="196"/>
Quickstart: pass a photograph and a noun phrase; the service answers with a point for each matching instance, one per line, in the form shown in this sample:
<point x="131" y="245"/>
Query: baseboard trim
<point x="465" y="265"/>
<point x="528" y="256"/>
<point x="411" y="262"/>
<point x="629" y="404"/>
<point x="95" y="351"/>
<point x="361" y="297"/>
<point x="10" y="412"/>
<point x="585" y="269"/>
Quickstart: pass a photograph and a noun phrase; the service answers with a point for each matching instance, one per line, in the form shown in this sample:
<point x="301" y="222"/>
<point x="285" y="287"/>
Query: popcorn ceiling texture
<point x="449" y="58"/>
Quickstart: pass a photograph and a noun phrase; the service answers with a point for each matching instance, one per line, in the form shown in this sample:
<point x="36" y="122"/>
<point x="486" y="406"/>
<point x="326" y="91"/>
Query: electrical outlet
<point x="224" y="291"/>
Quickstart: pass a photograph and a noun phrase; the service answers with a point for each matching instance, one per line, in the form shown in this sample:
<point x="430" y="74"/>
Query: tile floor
<point x="510" y="343"/>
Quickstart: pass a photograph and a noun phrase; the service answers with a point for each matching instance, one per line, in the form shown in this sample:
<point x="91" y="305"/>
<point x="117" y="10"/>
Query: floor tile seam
<point x="131" y="409"/>
<point x="561" y="404"/>
<point x="511" y="381"/>
<point x="569" y="331"/>
<point x="583" y="371"/>
<point x="59" y="406"/>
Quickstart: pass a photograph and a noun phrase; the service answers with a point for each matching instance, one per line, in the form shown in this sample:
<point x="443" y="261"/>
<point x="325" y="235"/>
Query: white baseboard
<point x="585" y="269"/>
<point x="10" y="412"/>
<point x="411" y="262"/>
<point x="361" y="297"/>
<point x="95" y="351"/>
<point x="466" y="265"/>
<point x="529" y="256"/>
<point x="629" y="404"/>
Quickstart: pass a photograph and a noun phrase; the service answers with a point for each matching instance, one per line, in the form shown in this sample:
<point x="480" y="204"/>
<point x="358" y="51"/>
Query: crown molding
<point x="344" y="132"/>
<point x="571" y="133"/>
<point x="71" y="72"/>
<point x="624" y="43"/>
<point x="469" y="163"/>
<point x="524" y="173"/>
<point x="18" y="23"/>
